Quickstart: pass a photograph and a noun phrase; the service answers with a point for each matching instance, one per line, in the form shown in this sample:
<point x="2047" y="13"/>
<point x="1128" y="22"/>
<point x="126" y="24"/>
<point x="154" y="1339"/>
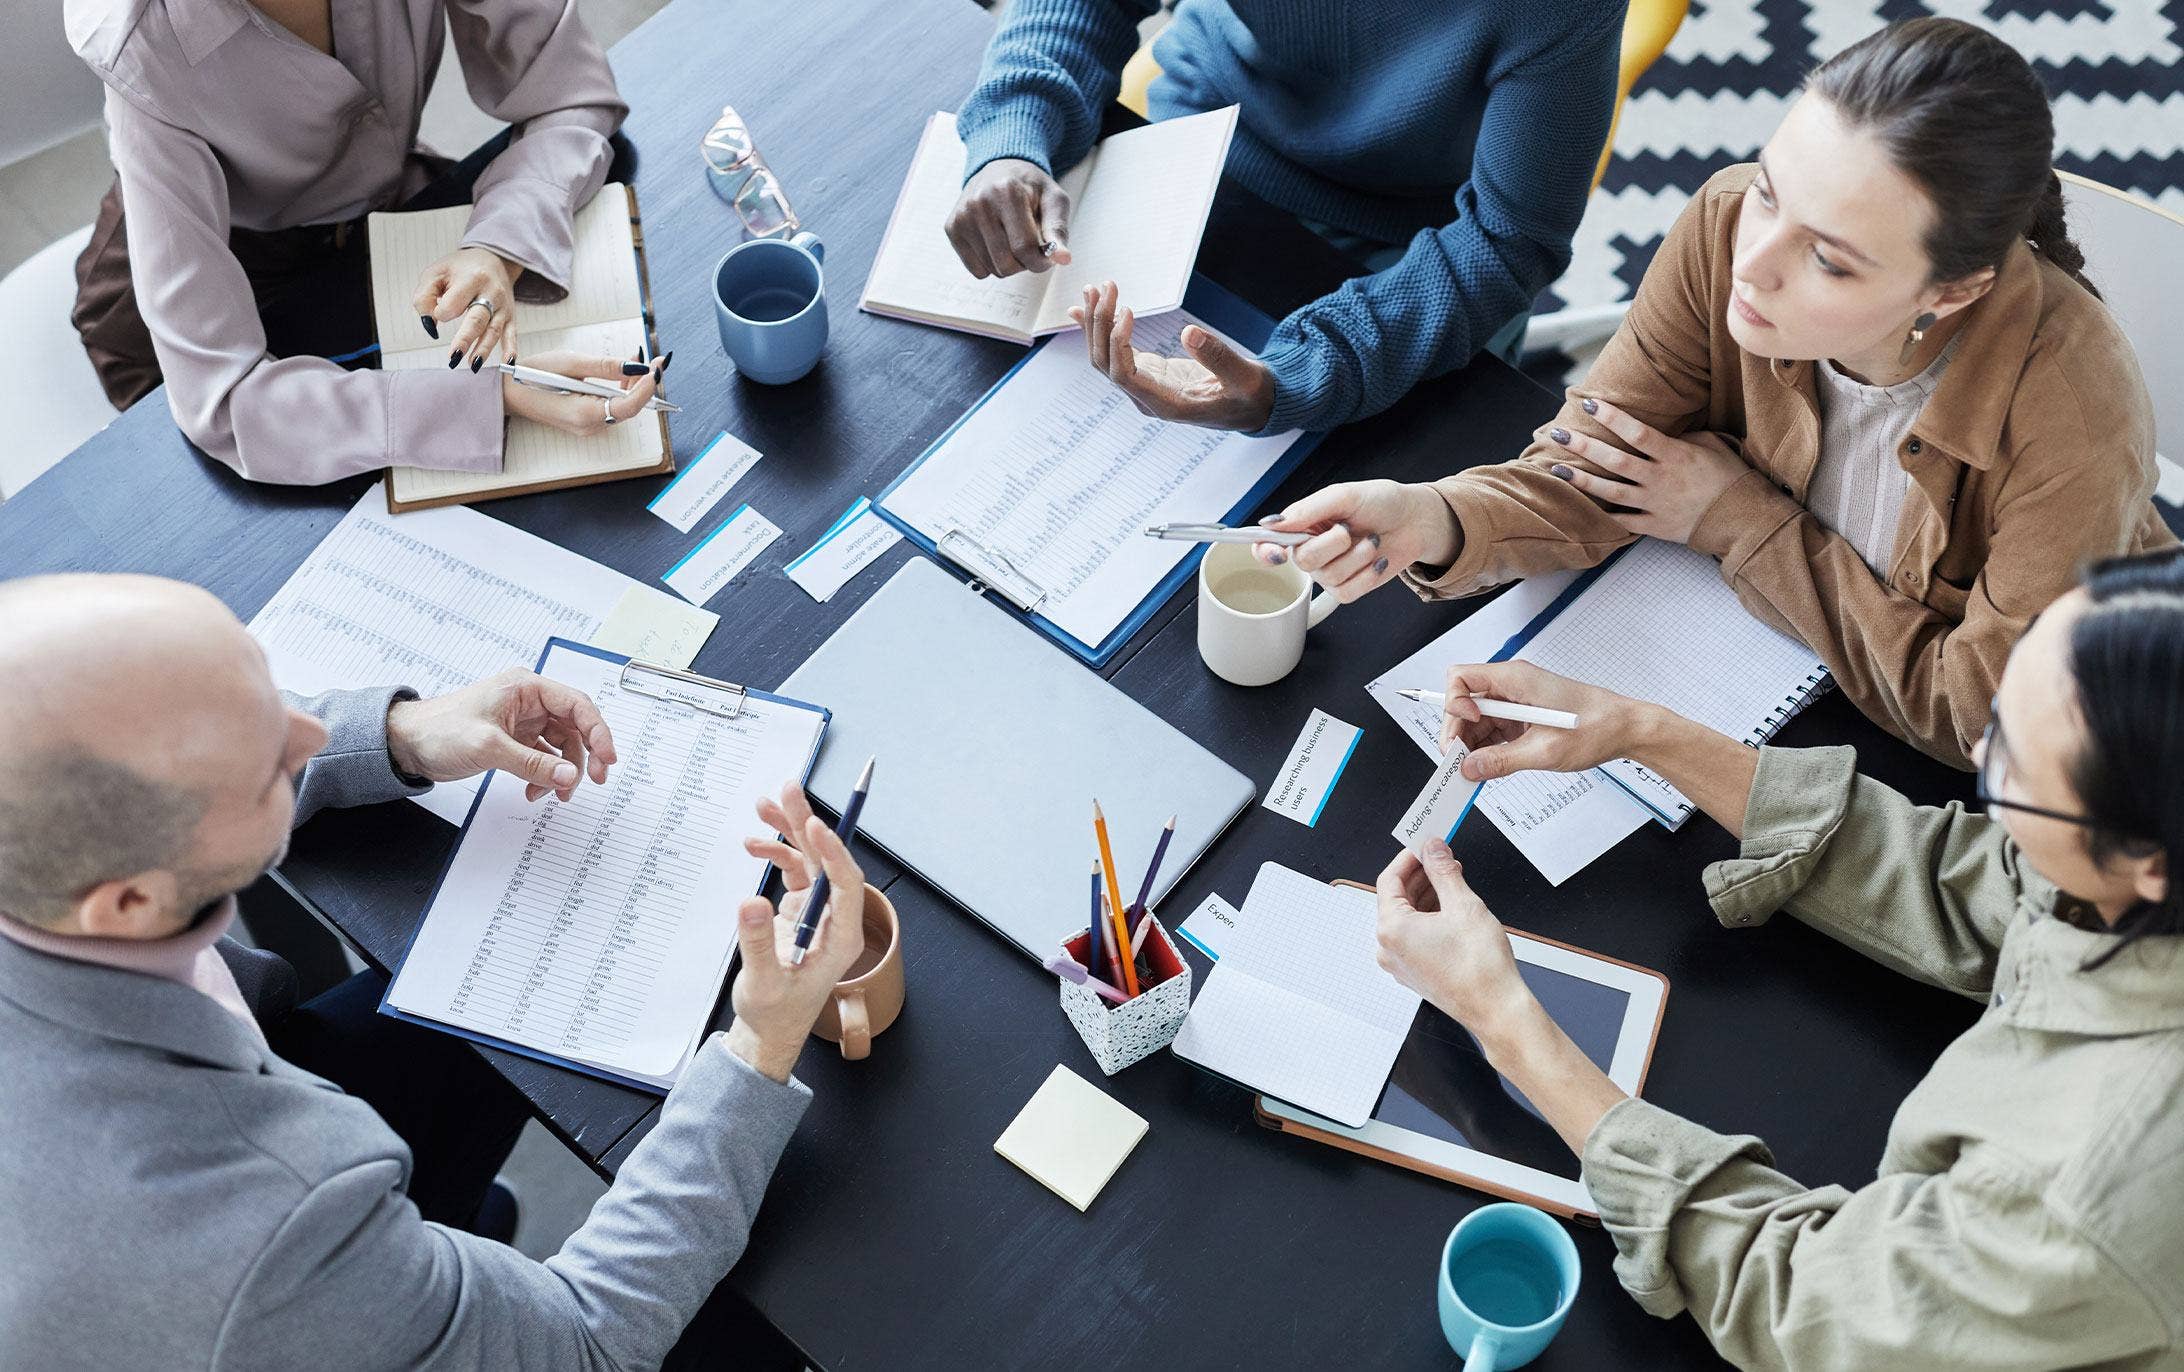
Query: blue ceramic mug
<point x="1508" y="1277"/>
<point x="770" y="299"/>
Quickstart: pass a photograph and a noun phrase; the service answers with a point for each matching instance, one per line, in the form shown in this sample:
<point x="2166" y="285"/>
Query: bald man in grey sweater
<point x="177" y="1195"/>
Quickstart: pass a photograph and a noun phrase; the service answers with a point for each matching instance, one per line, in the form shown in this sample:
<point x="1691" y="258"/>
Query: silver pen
<point x="574" y="385"/>
<point x="1498" y="709"/>
<point x="1222" y="533"/>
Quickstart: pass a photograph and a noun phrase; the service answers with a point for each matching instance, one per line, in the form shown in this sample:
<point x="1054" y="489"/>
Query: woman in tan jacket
<point x="1864" y="373"/>
<point x="2025" y="1212"/>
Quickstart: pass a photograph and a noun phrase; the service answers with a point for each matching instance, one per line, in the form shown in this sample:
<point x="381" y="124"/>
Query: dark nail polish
<point x="432" y="326"/>
<point x="475" y="364"/>
<point x="1559" y="470"/>
<point x="1380" y="566"/>
<point x="1276" y="558"/>
<point x="634" y="369"/>
<point x="1373" y="539"/>
<point x="1561" y="436"/>
<point x="1589" y="405"/>
<point x="453" y="358"/>
<point x="667" y="359"/>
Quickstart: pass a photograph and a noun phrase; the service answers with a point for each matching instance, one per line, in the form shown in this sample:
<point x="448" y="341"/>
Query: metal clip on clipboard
<point x="683" y="688"/>
<point x="996" y="573"/>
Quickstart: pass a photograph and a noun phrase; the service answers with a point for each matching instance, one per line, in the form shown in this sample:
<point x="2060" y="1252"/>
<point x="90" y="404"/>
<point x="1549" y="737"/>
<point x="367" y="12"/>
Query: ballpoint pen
<point x="574" y="385"/>
<point x="807" y="923"/>
<point x="1222" y="533"/>
<point x="1499" y="709"/>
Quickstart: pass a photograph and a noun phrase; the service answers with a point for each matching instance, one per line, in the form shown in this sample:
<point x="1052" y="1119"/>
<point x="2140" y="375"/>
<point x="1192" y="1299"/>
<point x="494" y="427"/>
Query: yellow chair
<point x="1647" y="29"/>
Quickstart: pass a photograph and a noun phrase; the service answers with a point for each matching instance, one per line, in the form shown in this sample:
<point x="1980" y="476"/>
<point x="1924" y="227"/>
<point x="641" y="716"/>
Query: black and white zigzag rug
<point x="2114" y="67"/>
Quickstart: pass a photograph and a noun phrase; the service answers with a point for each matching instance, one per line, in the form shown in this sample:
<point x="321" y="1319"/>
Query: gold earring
<point x="1919" y="326"/>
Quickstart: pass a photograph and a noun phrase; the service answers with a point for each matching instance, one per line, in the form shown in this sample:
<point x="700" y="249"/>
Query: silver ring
<point x="481" y="300"/>
<point x="608" y="406"/>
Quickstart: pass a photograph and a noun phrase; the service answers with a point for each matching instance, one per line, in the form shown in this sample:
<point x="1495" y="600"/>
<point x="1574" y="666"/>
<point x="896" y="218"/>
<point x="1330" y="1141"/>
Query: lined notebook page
<point x="1661" y="625"/>
<point x="1298" y="1006"/>
<point x="1142" y="215"/>
<point x="917" y="272"/>
<point x="537" y="454"/>
<point x="602" y="286"/>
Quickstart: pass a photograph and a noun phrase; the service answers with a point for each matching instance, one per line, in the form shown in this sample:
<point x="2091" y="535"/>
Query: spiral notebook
<point x="1657" y="622"/>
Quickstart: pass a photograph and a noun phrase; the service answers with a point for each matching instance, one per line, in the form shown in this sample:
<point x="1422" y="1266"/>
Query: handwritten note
<point x="1441" y="807"/>
<point x="854" y="542"/>
<point x="1210" y="926"/>
<point x="652" y="626"/>
<point x="1314" y="765"/>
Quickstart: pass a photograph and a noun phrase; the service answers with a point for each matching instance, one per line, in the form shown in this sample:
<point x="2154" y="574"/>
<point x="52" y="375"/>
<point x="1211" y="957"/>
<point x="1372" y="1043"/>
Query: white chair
<point x="50" y="400"/>
<point x="2131" y="250"/>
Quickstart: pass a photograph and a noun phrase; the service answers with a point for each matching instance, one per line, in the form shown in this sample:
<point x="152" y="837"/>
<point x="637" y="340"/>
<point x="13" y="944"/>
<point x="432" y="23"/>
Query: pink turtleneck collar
<point x="188" y="957"/>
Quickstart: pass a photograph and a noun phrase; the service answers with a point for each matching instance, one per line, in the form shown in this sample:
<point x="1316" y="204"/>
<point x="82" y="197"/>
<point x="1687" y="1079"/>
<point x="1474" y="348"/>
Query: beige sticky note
<point x="653" y="626"/>
<point x="1071" y="1136"/>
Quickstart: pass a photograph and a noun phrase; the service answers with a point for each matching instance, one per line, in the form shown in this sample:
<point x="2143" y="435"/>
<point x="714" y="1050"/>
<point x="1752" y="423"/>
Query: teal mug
<point x="770" y="300"/>
<point x="1508" y="1277"/>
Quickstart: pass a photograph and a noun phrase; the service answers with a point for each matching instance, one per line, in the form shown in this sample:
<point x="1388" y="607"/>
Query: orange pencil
<point x="1114" y="898"/>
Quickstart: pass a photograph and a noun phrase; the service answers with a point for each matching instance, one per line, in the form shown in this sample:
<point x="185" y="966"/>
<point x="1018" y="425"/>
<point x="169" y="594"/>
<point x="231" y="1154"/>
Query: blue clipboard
<point x="766" y="874"/>
<point x="1224" y="311"/>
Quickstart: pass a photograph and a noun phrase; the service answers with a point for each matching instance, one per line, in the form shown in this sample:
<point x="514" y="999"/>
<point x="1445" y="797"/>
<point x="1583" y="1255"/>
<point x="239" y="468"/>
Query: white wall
<point x="46" y="92"/>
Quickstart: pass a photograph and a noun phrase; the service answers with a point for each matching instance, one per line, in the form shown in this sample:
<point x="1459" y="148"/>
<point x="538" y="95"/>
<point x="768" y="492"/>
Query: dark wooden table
<point x="893" y="1235"/>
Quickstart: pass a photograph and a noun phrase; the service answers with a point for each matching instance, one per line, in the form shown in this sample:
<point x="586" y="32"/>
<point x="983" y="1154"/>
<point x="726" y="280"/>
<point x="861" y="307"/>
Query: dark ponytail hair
<point x="1963" y="115"/>
<point x="2127" y="660"/>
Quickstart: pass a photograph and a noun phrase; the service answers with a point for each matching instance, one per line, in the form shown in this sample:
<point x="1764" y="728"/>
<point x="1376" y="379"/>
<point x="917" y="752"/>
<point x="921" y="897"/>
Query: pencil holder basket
<point x="1119" y="1035"/>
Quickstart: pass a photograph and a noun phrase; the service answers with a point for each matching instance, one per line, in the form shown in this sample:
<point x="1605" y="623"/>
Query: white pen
<point x="1222" y="533"/>
<point x="1500" y="709"/>
<point x="574" y="385"/>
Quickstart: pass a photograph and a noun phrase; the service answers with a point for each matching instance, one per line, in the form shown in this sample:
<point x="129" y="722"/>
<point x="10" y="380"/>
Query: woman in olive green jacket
<point x="2029" y="1208"/>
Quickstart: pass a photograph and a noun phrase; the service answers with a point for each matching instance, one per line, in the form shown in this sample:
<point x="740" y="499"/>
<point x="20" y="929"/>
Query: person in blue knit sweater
<point x="1448" y="148"/>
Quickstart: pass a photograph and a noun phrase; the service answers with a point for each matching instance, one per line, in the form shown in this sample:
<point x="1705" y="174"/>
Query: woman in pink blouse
<point x="251" y="139"/>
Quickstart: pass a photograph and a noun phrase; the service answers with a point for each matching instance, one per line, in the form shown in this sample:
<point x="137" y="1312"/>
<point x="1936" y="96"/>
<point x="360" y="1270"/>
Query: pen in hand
<point x="1499" y="709"/>
<point x="807" y="923"/>
<point x="1221" y="533"/>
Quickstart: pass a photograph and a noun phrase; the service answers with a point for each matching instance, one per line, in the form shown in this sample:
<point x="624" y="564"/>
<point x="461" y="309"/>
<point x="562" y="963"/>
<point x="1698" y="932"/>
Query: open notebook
<point x="1657" y="622"/>
<point x="603" y="313"/>
<point x="1299" y="1007"/>
<point x="1139" y="202"/>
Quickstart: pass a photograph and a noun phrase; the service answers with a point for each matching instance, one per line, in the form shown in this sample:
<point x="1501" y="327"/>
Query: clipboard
<point x="990" y="572"/>
<point x="724" y="700"/>
<point x="1415" y="1152"/>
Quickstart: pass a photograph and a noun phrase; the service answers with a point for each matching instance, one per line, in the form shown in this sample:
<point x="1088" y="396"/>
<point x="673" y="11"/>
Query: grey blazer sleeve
<point x="354" y="768"/>
<point x="356" y="1277"/>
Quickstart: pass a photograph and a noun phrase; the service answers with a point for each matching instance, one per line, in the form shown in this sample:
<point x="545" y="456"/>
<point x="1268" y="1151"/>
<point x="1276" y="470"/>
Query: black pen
<point x="807" y="924"/>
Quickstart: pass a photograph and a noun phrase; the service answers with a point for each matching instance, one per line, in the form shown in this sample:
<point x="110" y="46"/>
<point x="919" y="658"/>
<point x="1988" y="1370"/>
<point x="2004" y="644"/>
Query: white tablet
<point x="1445" y="1111"/>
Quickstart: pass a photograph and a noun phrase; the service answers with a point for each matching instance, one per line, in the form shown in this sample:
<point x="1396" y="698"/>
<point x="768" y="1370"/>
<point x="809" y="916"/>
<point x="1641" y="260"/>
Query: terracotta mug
<point x="866" y="1001"/>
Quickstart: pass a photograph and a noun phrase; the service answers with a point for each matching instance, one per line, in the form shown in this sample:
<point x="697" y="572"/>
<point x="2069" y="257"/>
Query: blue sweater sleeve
<point x="1358" y="350"/>
<point x="1049" y="73"/>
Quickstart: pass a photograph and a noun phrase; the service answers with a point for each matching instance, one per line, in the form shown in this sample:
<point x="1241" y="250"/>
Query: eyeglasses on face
<point x="1994" y="778"/>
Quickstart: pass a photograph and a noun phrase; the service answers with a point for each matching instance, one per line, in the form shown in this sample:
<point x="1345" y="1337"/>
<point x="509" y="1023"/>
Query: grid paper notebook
<point x="1299" y="1007"/>
<point x="603" y="314"/>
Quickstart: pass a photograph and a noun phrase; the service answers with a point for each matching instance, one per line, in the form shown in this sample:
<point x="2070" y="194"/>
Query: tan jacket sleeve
<point x="1923" y="890"/>
<point x="1517" y="518"/>
<point x="1968" y="1268"/>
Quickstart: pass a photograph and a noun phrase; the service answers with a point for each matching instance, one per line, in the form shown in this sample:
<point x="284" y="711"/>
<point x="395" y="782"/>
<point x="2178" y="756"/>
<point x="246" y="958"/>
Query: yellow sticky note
<point x="653" y="626"/>
<point x="1071" y="1136"/>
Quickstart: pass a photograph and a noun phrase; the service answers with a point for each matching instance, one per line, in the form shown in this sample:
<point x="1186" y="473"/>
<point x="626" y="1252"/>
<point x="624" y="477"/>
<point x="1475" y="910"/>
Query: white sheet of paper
<point x="698" y="487"/>
<point x="854" y="543"/>
<point x="1560" y="822"/>
<point x="1058" y="473"/>
<point x="1298" y="1005"/>
<point x="1210" y="927"/>
<point x="1071" y="1136"/>
<point x="653" y="626"/>
<point x="724" y="552"/>
<point x="1440" y="807"/>
<point x="433" y="600"/>
<point x="591" y="929"/>
<point x="1315" y="762"/>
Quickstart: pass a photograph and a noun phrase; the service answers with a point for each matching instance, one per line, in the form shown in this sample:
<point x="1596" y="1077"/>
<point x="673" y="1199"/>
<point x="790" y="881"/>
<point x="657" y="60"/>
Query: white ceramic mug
<point x="1252" y="617"/>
